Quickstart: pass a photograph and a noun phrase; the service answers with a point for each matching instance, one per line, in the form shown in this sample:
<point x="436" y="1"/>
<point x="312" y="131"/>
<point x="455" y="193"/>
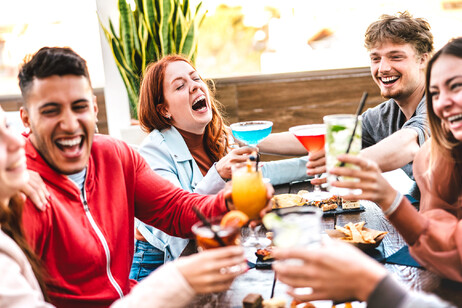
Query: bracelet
<point x="394" y="205"/>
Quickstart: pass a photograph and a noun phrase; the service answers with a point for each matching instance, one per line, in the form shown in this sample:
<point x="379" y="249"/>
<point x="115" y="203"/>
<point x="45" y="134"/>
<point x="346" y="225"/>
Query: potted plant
<point x="155" y="28"/>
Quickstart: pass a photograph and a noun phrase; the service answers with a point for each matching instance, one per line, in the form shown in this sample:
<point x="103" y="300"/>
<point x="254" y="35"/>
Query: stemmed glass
<point x="249" y="190"/>
<point x="312" y="137"/>
<point x="251" y="132"/>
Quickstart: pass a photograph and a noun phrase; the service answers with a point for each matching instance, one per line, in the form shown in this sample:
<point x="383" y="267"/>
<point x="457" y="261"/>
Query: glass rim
<point x="302" y="210"/>
<point x="341" y="116"/>
<point x="237" y="124"/>
<point x="302" y="126"/>
<point x="215" y="221"/>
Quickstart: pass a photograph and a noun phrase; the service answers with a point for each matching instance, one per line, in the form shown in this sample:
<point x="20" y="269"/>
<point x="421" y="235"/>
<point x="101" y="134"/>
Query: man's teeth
<point x="69" y="142"/>
<point x="455" y="118"/>
<point x="389" y="79"/>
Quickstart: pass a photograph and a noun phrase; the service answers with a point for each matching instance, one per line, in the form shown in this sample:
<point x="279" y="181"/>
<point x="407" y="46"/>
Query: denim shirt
<point x="167" y="154"/>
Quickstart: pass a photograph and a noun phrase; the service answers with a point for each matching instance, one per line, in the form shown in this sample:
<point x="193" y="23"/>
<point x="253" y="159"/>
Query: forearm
<point x="284" y="143"/>
<point x="408" y="221"/>
<point x="164" y="287"/>
<point x="394" y="151"/>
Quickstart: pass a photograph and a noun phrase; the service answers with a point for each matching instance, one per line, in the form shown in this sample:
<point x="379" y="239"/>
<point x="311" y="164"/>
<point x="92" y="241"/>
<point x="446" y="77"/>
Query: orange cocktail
<point x="205" y="238"/>
<point x="248" y="190"/>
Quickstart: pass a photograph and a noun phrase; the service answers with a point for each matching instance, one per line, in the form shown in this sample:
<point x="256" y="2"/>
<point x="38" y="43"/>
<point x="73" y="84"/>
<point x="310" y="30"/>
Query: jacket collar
<point x="176" y="144"/>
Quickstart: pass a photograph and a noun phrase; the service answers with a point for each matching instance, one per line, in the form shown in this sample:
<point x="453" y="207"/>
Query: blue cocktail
<point x="251" y="132"/>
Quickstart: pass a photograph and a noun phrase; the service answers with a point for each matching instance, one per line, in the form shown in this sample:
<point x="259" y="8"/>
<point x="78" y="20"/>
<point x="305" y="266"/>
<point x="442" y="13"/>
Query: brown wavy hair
<point x="151" y="100"/>
<point x="443" y="141"/>
<point x="11" y="222"/>
<point x="400" y="29"/>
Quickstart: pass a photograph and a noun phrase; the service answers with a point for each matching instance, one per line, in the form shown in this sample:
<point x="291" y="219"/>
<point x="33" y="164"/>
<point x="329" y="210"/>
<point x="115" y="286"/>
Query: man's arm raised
<point x="395" y="151"/>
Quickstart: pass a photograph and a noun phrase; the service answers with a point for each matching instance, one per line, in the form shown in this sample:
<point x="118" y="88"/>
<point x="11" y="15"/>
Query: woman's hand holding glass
<point x="373" y="185"/>
<point x="235" y="156"/>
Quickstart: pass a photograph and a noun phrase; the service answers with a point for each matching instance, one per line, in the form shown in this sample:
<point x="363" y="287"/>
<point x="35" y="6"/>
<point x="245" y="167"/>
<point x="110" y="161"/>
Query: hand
<point x="213" y="270"/>
<point x="373" y="185"/>
<point x="235" y="156"/>
<point x="227" y="193"/>
<point x="36" y="190"/>
<point x="335" y="271"/>
<point x="316" y="165"/>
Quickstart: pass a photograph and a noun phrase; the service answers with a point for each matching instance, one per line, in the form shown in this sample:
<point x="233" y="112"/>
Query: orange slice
<point x="234" y="218"/>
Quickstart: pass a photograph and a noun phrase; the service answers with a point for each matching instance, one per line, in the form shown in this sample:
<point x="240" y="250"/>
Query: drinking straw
<point x="256" y="158"/>
<point x="358" y="112"/>
<point x="208" y="224"/>
<point x="274" y="285"/>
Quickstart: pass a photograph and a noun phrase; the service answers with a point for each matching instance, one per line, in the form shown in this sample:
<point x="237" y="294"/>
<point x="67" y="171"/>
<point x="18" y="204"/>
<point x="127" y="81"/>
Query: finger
<point x="317" y="155"/>
<point x="34" y="197"/>
<point x="315" y="171"/>
<point x="318" y="181"/>
<point x="316" y="163"/>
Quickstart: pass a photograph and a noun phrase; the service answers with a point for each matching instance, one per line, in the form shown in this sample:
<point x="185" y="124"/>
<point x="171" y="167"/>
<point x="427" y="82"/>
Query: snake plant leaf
<point x="144" y="36"/>
<point x="166" y="10"/>
<point x="118" y="56"/>
<point x="154" y="29"/>
<point x="126" y="33"/>
<point x="185" y="8"/>
<point x="134" y="30"/>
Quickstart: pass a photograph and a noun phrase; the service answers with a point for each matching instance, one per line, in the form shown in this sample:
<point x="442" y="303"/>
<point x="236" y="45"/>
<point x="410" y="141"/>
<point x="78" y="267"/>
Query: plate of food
<point x="358" y="235"/>
<point x="330" y="206"/>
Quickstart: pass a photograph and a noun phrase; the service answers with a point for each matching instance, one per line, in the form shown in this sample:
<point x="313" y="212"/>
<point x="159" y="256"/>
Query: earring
<point x="169" y="117"/>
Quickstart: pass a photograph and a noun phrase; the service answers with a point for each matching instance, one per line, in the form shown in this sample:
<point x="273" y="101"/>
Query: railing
<point x="286" y="99"/>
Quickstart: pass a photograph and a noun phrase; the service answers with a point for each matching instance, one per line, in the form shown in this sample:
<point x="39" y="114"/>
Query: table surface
<point x="260" y="280"/>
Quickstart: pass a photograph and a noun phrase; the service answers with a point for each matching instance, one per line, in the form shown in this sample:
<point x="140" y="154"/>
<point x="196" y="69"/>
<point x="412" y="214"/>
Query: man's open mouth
<point x="199" y="104"/>
<point x="69" y="144"/>
<point x="389" y="80"/>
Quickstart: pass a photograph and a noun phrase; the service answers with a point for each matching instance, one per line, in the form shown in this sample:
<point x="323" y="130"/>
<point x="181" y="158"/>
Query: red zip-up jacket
<point x="87" y="246"/>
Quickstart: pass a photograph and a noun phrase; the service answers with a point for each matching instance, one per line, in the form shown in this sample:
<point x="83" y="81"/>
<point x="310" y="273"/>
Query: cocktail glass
<point x="251" y="132"/>
<point x="298" y="227"/>
<point x="339" y="128"/>
<point x="249" y="196"/>
<point x="205" y="238"/>
<point x="312" y="137"/>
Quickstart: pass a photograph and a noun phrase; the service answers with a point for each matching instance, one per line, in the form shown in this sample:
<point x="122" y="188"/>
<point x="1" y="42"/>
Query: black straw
<point x="274" y="285"/>
<point x="208" y="224"/>
<point x="256" y="159"/>
<point x="358" y="112"/>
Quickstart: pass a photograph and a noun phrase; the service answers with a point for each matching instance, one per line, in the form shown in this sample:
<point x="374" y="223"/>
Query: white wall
<point x="117" y="105"/>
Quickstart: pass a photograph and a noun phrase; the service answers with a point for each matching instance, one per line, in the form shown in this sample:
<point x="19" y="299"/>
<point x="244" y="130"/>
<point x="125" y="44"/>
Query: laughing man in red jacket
<point x="97" y="185"/>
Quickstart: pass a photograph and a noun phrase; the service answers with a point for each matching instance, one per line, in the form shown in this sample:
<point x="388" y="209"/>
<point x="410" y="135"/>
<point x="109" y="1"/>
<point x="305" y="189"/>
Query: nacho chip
<point x="287" y="200"/>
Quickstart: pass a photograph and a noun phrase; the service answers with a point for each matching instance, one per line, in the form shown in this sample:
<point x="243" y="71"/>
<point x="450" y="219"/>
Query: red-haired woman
<point x="188" y="144"/>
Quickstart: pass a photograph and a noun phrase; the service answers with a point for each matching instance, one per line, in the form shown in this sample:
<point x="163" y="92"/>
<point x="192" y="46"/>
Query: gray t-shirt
<point x="387" y="118"/>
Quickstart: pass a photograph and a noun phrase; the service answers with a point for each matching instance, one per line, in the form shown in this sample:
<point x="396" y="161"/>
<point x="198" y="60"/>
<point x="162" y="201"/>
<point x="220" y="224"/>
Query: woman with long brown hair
<point x="21" y="279"/>
<point x="434" y="234"/>
<point x="190" y="145"/>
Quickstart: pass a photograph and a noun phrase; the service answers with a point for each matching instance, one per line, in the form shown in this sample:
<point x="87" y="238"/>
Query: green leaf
<point x="166" y="10"/>
<point x="118" y="56"/>
<point x="126" y="33"/>
<point x="154" y="29"/>
<point x="337" y="128"/>
<point x="149" y="14"/>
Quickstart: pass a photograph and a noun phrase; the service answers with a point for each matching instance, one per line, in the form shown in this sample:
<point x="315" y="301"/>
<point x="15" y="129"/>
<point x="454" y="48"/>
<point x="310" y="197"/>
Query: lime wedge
<point x="271" y="221"/>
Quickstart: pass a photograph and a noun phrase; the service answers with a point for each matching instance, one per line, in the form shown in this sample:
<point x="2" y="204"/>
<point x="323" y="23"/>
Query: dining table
<point x="260" y="281"/>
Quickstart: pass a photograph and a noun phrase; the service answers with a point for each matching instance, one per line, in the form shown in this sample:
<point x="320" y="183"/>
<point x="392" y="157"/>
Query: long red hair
<point x="152" y="97"/>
